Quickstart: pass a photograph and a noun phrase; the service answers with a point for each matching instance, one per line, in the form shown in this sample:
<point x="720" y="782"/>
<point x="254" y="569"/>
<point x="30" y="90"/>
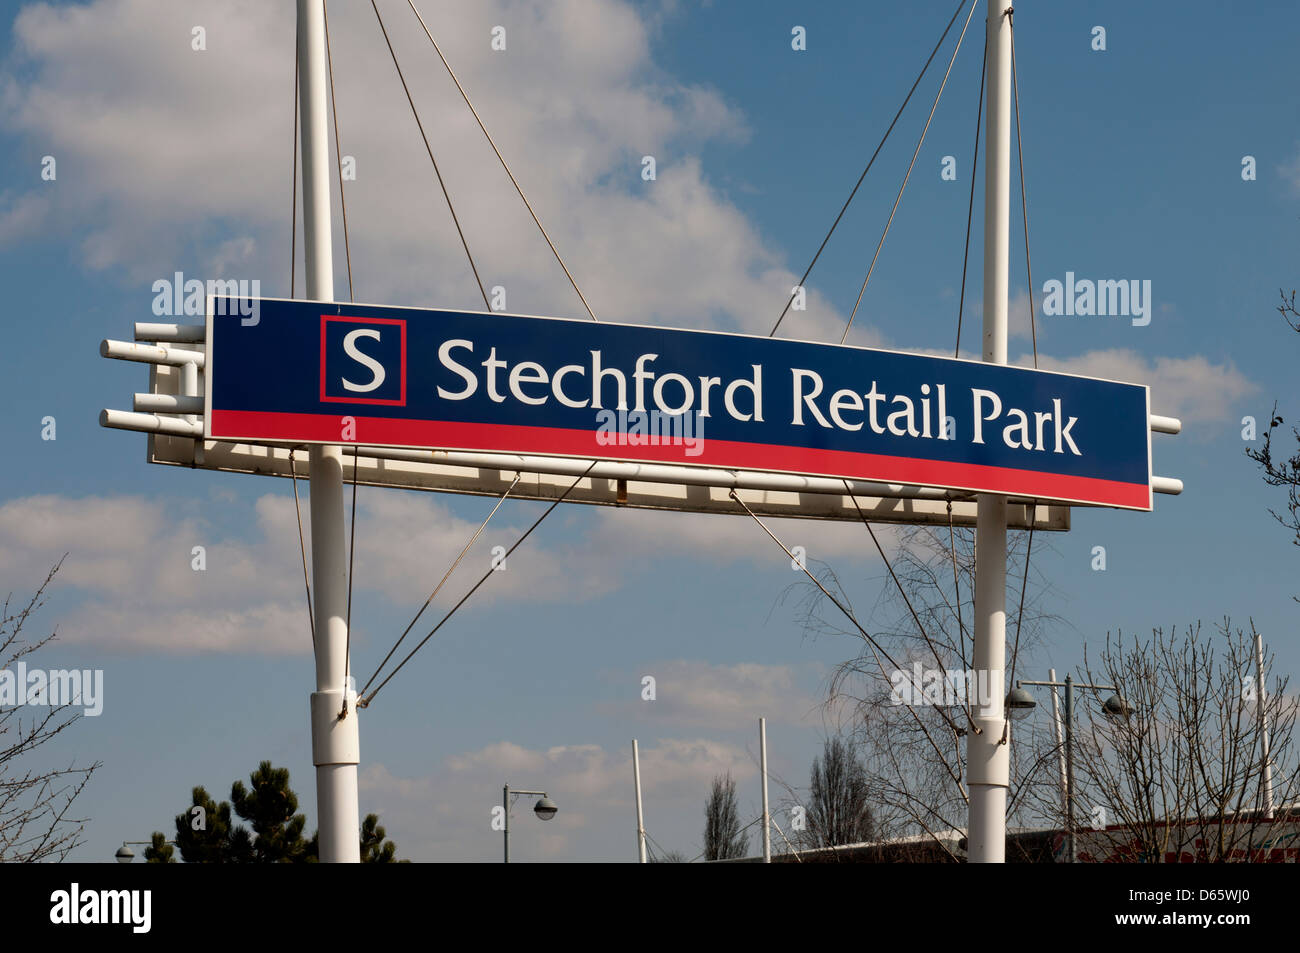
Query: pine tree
<point x="270" y="809"/>
<point x="206" y="833"/>
<point x="374" y="849"/>
<point x="159" y="851"/>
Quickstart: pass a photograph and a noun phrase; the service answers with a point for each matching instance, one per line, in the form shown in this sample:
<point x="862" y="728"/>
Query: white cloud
<point x="1193" y="388"/>
<point x="21" y="214"/>
<point x="169" y="143"/>
<point x="728" y="696"/>
<point x="249" y="596"/>
<point x="447" y="814"/>
<point x="133" y="561"/>
<point x="1290" y="173"/>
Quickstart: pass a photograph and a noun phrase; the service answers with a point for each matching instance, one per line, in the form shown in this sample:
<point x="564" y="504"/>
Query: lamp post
<point x="1020" y="703"/>
<point x="545" y="809"/>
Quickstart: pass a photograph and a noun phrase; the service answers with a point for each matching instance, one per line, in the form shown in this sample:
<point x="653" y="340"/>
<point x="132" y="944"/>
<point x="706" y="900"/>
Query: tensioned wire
<point x="501" y="158"/>
<point x="574" y="284"/>
<point x="916" y="152"/>
<point x="347" y="251"/>
<point x="876" y="649"/>
<point x="447" y="575"/>
<point x="826" y="592"/>
<point x="1029" y="277"/>
<point x="429" y="149"/>
<point x="903" y="592"/>
<point x="348" y="254"/>
<point x="870" y="162"/>
<point x="562" y="497"/>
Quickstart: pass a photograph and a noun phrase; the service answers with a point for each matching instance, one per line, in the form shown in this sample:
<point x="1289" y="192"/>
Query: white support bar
<point x="1168" y="485"/>
<point x="667" y="473"/>
<point x="149" y="423"/>
<point x="150" y="353"/>
<point x="559" y="466"/>
<point x="1165" y="424"/>
<point x="170" y="333"/>
<point x="167" y="404"/>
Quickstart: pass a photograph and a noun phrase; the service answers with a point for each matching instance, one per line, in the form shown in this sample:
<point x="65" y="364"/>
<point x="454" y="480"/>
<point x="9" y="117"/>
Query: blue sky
<point x="171" y="159"/>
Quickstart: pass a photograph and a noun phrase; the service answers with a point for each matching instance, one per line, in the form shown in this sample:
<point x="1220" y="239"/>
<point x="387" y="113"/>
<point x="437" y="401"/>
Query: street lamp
<point x="125" y="854"/>
<point x="545" y="809"/>
<point x="1020" y="703"/>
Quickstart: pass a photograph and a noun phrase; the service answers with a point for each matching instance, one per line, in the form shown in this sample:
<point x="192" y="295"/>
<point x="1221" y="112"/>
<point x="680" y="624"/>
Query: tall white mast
<point x="987" y="749"/>
<point x="335" y="741"/>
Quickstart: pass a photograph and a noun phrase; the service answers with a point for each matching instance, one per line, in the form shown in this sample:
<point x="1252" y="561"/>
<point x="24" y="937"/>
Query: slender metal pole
<point x="988" y="760"/>
<point x="640" y="820"/>
<point x="335" y="739"/>
<point x="1060" y="744"/>
<point x="505" y="800"/>
<point x="762" y="768"/>
<point x="1071" y="851"/>
<point x="1267" y="766"/>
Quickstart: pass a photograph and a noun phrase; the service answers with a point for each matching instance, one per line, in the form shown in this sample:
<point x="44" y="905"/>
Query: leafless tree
<point x="912" y="743"/>
<point x="723" y="837"/>
<point x="1284" y="471"/>
<point x="1180" y="775"/>
<point x="839" y="800"/>
<point x="35" y="803"/>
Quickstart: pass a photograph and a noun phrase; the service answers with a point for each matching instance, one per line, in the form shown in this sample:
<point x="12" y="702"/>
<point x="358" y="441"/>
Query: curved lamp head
<point x="1020" y="703"/>
<point x="124" y="855"/>
<point x="1116" y="707"/>
<point x="545" y="808"/>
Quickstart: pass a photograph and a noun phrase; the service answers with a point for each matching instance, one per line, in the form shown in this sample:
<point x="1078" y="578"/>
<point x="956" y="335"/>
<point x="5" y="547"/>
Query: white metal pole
<point x="762" y="768"/>
<point x="335" y="738"/>
<point x="987" y="748"/>
<point x="1060" y="741"/>
<point x="640" y="820"/>
<point x="1267" y="768"/>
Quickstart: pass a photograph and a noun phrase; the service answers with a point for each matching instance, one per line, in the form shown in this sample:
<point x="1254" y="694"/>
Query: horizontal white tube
<point x="149" y="423"/>
<point x="666" y="473"/>
<point x="170" y="333"/>
<point x="641" y="472"/>
<point x="1165" y="424"/>
<point x="150" y="353"/>
<point x="168" y="404"/>
<point x="1166" y="485"/>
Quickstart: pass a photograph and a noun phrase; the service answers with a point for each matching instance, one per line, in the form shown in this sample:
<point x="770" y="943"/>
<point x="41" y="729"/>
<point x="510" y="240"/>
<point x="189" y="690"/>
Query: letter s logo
<point x="376" y="369"/>
<point x="362" y="360"/>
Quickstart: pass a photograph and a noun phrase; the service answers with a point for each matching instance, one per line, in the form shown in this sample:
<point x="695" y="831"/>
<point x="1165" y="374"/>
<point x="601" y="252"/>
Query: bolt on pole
<point x="336" y="745"/>
<point x="987" y="748"/>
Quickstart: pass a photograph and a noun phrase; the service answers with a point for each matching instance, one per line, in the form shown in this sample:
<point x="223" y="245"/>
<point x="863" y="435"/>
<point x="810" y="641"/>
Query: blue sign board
<point x="312" y="372"/>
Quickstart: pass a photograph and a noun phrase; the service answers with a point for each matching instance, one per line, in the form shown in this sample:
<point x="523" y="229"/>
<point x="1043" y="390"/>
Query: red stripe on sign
<point x="256" y="425"/>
